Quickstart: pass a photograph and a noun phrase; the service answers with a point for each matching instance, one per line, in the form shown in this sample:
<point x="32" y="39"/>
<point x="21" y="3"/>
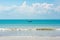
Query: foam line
<point x="28" y="29"/>
<point x="58" y="29"/>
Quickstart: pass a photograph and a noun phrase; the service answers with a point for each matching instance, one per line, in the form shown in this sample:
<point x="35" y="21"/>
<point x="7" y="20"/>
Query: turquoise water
<point x="29" y="23"/>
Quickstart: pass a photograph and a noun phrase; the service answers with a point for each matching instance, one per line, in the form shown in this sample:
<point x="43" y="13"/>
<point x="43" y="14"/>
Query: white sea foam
<point x="58" y="29"/>
<point x="27" y="29"/>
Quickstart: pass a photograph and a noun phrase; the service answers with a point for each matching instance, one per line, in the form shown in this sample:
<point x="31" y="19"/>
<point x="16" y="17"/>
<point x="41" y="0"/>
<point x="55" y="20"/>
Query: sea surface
<point x="30" y="24"/>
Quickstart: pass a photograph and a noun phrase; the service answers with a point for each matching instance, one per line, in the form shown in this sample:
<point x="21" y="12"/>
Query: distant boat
<point x="29" y="20"/>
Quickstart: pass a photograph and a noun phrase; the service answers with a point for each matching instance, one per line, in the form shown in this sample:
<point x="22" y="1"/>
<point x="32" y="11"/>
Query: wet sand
<point x="28" y="38"/>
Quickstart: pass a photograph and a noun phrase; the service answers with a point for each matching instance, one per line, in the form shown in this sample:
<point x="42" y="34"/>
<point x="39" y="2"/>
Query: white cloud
<point x="57" y="8"/>
<point x="35" y="8"/>
<point x="30" y="10"/>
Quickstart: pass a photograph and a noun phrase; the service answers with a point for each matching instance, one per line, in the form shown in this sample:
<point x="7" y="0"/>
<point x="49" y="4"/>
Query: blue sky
<point x="29" y="9"/>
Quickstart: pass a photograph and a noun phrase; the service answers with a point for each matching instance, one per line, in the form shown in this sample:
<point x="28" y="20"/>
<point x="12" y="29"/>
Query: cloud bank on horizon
<point x="30" y="9"/>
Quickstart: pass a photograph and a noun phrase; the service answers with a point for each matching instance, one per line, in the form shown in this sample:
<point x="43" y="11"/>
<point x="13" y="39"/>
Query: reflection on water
<point x="31" y="33"/>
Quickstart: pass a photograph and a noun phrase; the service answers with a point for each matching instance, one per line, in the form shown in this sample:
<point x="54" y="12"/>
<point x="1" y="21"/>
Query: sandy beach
<point x="28" y="38"/>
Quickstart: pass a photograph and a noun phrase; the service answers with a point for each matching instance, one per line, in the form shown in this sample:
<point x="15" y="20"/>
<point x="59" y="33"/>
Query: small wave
<point x="27" y="29"/>
<point x="58" y="29"/>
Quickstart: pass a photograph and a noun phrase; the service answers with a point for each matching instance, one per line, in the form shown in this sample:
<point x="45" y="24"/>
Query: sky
<point x="29" y="9"/>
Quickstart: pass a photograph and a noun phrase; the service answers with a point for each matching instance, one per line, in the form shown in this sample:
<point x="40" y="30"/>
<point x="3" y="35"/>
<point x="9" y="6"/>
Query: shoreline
<point x="29" y="29"/>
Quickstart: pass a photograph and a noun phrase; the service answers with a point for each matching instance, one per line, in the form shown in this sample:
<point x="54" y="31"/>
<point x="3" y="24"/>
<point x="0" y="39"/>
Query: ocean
<point x="13" y="25"/>
<point x="29" y="23"/>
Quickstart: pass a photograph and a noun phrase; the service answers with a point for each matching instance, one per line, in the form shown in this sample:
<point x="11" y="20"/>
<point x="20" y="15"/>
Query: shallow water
<point x="30" y="33"/>
<point x="29" y="25"/>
